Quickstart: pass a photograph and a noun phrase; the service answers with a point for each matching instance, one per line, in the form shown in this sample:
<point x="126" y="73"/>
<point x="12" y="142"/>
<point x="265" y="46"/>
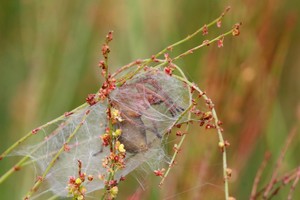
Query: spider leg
<point x="98" y="152"/>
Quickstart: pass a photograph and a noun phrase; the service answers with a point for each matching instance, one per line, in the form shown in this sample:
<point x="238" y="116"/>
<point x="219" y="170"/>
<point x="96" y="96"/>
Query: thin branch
<point x="279" y="162"/>
<point x="259" y="174"/>
<point x="293" y="187"/>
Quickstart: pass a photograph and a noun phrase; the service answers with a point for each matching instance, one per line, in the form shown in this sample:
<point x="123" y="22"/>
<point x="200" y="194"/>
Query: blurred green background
<point x="49" y="52"/>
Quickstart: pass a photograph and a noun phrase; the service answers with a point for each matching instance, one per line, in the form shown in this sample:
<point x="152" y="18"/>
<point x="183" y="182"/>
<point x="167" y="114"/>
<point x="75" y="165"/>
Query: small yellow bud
<point x="116" y="115"/>
<point x="117" y="133"/>
<point x="114" y="191"/>
<point x="221" y="144"/>
<point x="121" y="148"/>
<point x="90" y="177"/>
<point x="80" y="197"/>
<point x="78" y="181"/>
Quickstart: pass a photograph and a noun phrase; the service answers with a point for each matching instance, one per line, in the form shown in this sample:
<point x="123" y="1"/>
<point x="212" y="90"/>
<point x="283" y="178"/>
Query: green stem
<point x="13" y="169"/>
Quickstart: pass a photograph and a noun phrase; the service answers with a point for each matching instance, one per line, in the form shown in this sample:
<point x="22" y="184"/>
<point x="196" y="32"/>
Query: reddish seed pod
<point x="138" y="61"/>
<point x="178" y="125"/>
<point x="154" y="59"/>
<point x="168" y="58"/>
<point x="116" y="158"/>
<point x="67" y="114"/>
<point x="91" y="99"/>
<point x="205" y="30"/>
<point x="208" y="126"/>
<point x="113" y="183"/>
<point x="206" y="42"/>
<point x="206" y="116"/>
<point x="102" y="64"/>
<point x="168" y="71"/>
<point x="226" y="143"/>
<point x="208" y="101"/>
<point x="67" y="148"/>
<point x="159" y="172"/>
<point x="39" y="178"/>
<point x="202" y="122"/>
<point x="105" y="49"/>
<point x="17" y="168"/>
<point x="219" y="23"/>
<point x="170" y="48"/>
<point x="34" y="131"/>
<point x="109" y="36"/>
<point x="193" y="88"/>
<point x="201" y="94"/>
<point x="179" y="133"/>
<point x="220" y="42"/>
<point x="194" y="102"/>
<point x="90" y="178"/>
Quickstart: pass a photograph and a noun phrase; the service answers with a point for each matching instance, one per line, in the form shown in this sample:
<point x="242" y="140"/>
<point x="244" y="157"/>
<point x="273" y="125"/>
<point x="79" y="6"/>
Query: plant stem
<point x="13" y="169"/>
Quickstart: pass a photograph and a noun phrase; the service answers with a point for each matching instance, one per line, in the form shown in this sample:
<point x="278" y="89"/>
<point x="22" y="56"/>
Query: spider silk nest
<point x="151" y="103"/>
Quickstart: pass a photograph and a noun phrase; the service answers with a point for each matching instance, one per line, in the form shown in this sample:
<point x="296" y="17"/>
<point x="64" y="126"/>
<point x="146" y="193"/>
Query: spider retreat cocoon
<point x="149" y="103"/>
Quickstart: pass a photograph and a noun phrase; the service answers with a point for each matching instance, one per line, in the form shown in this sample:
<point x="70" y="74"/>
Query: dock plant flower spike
<point x="122" y="125"/>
